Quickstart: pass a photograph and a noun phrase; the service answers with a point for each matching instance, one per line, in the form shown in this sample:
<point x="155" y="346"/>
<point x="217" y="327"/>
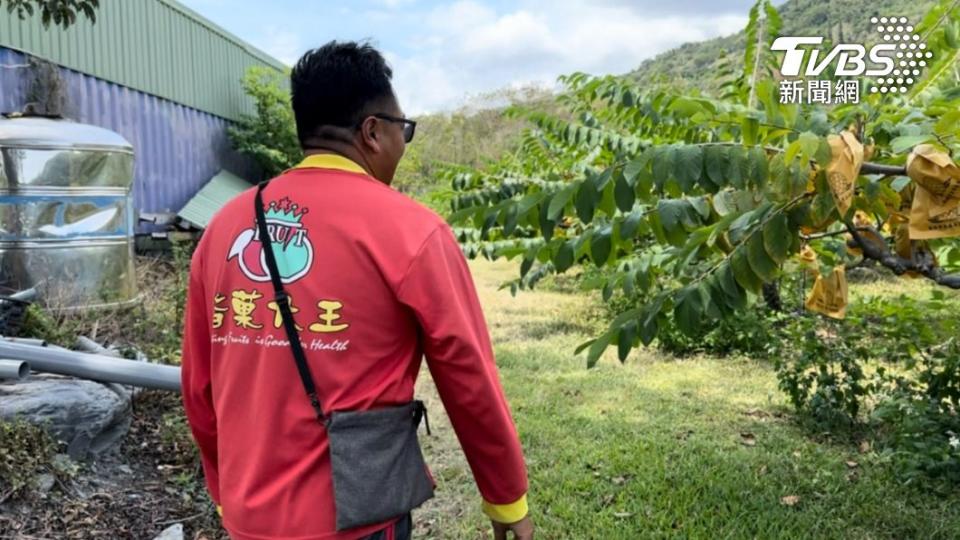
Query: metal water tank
<point x="66" y="213"/>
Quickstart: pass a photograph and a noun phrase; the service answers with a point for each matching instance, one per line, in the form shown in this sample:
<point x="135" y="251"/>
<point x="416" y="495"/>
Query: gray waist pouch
<point x="378" y="469"/>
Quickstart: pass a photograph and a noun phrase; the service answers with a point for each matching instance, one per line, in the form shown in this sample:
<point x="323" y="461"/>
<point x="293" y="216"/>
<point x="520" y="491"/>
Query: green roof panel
<point x="212" y="197"/>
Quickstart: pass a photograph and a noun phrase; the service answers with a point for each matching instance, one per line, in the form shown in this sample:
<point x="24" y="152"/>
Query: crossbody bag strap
<point x="283" y="303"/>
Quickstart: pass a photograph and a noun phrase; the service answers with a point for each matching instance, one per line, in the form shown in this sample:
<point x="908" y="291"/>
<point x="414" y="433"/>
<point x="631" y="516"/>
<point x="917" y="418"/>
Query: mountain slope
<point x="848" y="21"/>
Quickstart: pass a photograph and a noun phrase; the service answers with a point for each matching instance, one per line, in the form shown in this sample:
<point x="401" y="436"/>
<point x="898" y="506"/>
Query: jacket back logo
<point x="288" y="239"/>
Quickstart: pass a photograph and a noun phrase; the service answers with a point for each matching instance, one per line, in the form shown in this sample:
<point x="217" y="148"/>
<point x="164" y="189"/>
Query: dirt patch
<point x="148" y="485"/>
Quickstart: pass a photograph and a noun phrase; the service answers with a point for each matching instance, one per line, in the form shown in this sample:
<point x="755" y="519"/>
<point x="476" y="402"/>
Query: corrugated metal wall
<point x="177" y="148"/>
<point x="156" y="46"/>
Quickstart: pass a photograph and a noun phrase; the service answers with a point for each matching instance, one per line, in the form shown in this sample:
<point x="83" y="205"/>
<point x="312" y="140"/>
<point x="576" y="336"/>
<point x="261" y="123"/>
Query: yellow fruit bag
<point x="829" y="294"/>
<point x="844" y="168"/>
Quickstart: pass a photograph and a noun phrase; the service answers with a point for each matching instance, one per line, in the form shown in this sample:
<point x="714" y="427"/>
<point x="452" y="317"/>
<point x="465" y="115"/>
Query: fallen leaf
<point x="864" y="447"/>
<point x="790" y="500"/>
<point x="618" y="480"/>
<point x="763" y="470"/>
<point x="852" y="464"/>
<point x="748" y="439"/>
<point x="622" y="514"/>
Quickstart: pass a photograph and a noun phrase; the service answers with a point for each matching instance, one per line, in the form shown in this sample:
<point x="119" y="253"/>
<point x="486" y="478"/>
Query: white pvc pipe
<point x="14" y="369"/>
<point x="95" y="367"/>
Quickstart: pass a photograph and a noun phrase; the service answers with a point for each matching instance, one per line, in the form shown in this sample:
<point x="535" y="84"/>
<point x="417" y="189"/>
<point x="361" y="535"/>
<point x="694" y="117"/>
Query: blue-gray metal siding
<point x="178" y="149"/>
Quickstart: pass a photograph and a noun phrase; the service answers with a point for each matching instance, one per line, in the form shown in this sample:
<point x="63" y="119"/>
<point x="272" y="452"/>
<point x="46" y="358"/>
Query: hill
<point x="694" y="64"/>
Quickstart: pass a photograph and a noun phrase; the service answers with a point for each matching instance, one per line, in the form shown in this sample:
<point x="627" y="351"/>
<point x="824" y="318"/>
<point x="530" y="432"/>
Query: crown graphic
<point x="286" y="211"/>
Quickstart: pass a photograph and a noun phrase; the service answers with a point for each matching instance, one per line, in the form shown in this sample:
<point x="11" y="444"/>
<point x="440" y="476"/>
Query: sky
<point x="443" y="53"/>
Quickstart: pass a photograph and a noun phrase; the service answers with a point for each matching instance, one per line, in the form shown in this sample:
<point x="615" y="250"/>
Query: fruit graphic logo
<point x="288" y="238"/>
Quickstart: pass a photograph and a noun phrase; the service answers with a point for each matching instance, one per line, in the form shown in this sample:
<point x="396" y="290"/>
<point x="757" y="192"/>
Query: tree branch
<point x="886" y="170"/>
<point x="817" y="236"/>
<point x="925" y="266"/>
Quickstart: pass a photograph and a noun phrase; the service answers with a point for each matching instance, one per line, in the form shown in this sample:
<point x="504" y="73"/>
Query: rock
<point x="173" y="532"/>
<point x="863" y="274"/>
<point x="45" y="482"/>
<point x="91" y="418"/>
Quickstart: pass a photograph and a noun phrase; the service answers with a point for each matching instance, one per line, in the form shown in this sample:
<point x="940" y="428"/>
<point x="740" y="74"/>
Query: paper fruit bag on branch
<point x="936" y="202"/>
<point x="829" y="294"/>
<point x="844" y="168"/>
<point x="935" y="172"/>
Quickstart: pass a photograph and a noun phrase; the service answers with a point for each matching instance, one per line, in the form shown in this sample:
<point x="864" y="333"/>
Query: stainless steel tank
<point x="66" y="213"/>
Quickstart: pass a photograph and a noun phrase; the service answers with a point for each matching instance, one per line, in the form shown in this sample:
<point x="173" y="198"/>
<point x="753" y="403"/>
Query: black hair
<point x="337" y="85"/>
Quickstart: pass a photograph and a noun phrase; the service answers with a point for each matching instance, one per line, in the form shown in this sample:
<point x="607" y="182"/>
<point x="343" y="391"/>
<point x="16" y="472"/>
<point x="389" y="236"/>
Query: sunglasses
<point x="409" y="126"/>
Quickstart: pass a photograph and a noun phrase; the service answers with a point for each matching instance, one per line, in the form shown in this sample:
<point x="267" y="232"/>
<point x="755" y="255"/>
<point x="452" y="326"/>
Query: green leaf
<point x="608" y="203"/>
<point x="822" y="206"/>
<point x="809" y="143"/>
<point x="527" y="264"/>
<point x="688" y="311"/>
<point x="715" y="164"/>
<point x="625" y="340"/>
<point x="586" y="202"/>
<point x="624" y="194"/>
<point x="736" y="163"/>
<point x="632" y="170"/>
<point x="719" y="303"/>
<point x="735" y="294"/>
<point x="749" y="128"/>
<point x="777" y="238"/>
<point x="758" y="166"/>
<point x="688" y="165"/>
<point x="488" y="222"/>
<point x="796" y="177"/>
<point x="671" y="212"/>
<point x="597" y="348"/>
<point x="760" y="262"/>
<point x="510" y="220"/>
<point x="630" y="225"/>
<point x="583" y="346"/>
<point x="702" y="206"/>
<point x="907" y="142"/>
<point x="662" y="165"/>
<point x="559" y="201"/>
<point x="950" y="36"/>
<point x="528" y="202"/>
<point x="607" y="293"/>
<point x="743" y="273"/>
<point x="824" y="153"/>
<point x="564" y="257"/>
<point x="603" y="179"/>
<point x="630" y="282"/>
<point x="546" y="224"/>
<point x="715" y="306"/>
<point x="600" y="246"/>
<point x="648" y="330"/>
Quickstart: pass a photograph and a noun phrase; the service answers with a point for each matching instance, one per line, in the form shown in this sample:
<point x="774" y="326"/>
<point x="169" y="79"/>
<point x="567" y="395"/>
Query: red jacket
<point x="377" y="281"/>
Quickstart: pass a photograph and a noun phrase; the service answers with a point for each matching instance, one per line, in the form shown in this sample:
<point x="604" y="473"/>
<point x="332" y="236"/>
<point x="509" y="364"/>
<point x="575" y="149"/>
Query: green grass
<point x="656" y="447"/>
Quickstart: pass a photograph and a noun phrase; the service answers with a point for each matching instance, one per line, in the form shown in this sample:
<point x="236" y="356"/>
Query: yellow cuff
<point x="219" y="510"/>
<point x="507" y="513"/>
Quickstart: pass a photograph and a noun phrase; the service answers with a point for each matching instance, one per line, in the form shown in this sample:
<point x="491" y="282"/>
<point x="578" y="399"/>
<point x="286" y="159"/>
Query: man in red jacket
<point x="376" y="282"/>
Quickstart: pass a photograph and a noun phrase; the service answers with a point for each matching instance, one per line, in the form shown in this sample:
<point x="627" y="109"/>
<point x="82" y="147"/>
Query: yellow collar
<point x="330" y="161"/>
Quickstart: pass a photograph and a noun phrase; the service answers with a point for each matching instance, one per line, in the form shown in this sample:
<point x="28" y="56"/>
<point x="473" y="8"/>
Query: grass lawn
<point x="659" y="447"/>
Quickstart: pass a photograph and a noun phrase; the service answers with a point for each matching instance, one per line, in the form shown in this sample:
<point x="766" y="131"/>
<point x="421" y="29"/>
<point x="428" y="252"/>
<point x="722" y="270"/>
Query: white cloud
<point x="284" y="45"/>
<point x="469" y="48"/>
